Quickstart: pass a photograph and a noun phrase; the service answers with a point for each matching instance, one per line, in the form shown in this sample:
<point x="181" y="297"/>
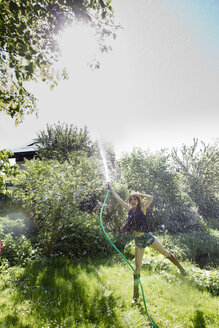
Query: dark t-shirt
<point x="136" y="220"/>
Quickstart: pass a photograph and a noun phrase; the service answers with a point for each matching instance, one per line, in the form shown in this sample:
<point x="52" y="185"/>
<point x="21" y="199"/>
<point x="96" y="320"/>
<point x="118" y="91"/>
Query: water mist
<point x="103" y="157"/>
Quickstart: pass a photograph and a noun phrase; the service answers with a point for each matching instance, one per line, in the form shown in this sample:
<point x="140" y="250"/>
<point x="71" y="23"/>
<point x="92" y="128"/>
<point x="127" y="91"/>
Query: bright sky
<point x="158" y="88"/>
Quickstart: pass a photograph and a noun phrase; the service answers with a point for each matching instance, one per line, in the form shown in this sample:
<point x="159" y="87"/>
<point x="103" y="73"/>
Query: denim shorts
<point x="146" y="240"/>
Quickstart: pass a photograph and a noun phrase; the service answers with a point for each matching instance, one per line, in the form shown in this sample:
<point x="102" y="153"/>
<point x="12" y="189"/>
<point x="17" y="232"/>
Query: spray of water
<point x="103" y="156"/>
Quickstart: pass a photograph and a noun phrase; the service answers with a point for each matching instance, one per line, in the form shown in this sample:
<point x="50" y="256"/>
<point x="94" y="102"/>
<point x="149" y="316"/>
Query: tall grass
<point x="95" y="294"/>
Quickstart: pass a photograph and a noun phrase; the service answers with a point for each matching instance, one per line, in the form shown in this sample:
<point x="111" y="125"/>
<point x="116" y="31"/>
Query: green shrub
<point x="198" y="167"/>
<point x="19" y="251"/>
<point x="15" y="231"/>
<point x="53" y="192"/>
<point x="16" y="224"/>
<point x="83" y="237"/>
<point x="198" y="243"/>
<point x="7" y="171"/>
<point x="205" y="279"/>
<point x="212" y="223"/>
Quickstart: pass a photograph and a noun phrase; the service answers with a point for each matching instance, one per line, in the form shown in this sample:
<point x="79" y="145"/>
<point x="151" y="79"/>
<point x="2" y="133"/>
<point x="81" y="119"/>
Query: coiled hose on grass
<point x="101" y="223"/>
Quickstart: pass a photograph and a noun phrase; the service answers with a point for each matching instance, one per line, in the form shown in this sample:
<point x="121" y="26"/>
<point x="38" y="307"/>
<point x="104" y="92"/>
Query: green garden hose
<point x="101" y="222"/>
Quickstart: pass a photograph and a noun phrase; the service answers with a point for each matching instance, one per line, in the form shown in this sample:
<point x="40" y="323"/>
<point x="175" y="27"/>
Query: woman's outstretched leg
<point x="158" y="247"/>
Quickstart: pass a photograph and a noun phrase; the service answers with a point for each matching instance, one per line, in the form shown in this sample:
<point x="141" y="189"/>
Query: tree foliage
<point x="154" y="174"/>
<point x="60" y="140"/>
<point x="28" y="46"/>
<point x="198" y="165"/>
<point x="6" y="170"/>
<point x="53" y="192"/>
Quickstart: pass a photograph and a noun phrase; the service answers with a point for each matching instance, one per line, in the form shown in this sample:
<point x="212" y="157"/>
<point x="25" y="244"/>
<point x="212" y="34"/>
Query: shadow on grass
<point x="199" y="320"/>
<point x="66" y="294"/>
<point x="12" y="321"/>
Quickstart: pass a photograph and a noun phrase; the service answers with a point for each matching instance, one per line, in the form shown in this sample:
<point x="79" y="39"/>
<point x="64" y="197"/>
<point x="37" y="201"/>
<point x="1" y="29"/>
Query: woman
<point x="136" y="223"/>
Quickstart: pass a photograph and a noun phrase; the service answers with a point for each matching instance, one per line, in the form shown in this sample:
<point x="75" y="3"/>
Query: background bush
<point x="18" y="236"/>
<point x="19" y="251"/>
<point x="83" y="237"/>
<point x="52" y="192"/>
<point x="198" y="167"/>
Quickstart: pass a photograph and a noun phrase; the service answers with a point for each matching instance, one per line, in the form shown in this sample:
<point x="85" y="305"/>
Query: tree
<point x="58" y="141"/>
<point x="28" y="46"/>
<point x="198" y="165"/>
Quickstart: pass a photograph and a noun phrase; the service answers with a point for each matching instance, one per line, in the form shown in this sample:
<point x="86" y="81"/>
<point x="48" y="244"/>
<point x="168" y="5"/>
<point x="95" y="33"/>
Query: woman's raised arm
<point x="119" y="199"/>
<point x="148" y="201"/>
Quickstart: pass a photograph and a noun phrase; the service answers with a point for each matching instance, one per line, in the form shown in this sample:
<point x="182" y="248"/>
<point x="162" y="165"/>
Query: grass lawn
<point x="98" y="294"/>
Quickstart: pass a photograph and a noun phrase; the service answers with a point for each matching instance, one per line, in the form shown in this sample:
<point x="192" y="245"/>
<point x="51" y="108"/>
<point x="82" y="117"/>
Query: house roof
<point x="28" y="151"/>
<point x="25" y="149"/>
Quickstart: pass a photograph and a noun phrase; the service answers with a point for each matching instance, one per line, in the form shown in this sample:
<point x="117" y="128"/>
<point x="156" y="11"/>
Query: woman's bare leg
<point x="139" y="252"/>
<point x="158" y="247"/>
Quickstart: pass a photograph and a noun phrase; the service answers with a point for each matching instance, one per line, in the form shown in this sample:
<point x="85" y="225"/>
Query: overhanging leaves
<point x="28" y="44"/>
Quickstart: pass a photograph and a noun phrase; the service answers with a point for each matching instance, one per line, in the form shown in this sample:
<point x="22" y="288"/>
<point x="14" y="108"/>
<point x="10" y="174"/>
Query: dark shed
<point x="28" y="152"/>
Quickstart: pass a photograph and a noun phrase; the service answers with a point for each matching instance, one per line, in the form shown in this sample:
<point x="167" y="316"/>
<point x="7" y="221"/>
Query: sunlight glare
<point x="78" y="45"/>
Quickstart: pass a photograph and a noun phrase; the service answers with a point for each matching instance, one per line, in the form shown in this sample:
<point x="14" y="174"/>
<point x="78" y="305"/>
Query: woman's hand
<point x="146" y="196"/>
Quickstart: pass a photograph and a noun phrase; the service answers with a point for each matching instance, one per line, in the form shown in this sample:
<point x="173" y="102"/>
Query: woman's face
<point x="133" y="201"/>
